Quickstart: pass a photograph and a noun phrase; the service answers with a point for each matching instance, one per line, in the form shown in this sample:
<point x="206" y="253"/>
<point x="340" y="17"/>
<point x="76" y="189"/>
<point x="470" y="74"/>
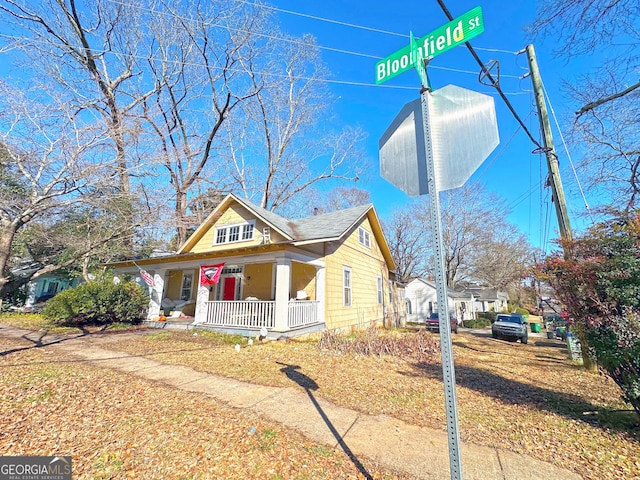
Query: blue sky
<point x="511" y="171"/>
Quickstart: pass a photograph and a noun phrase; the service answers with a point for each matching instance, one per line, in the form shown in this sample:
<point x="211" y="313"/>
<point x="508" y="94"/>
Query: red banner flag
<point x="210" y="274"/>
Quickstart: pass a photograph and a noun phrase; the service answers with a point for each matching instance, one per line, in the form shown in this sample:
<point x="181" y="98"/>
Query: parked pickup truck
<point x="511" y="326"/>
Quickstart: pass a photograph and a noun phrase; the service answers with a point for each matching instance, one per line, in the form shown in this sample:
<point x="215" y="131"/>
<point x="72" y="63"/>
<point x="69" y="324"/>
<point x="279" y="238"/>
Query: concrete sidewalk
<point x="420" y="452"/>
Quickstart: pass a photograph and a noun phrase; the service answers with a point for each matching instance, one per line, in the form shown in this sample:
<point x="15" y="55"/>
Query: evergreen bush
<point x="491" y="316"/>
<point x="476" y="323"/>
<point x="97" y="303"/>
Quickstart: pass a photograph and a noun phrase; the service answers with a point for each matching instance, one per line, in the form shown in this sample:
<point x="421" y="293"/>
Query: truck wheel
<point x="525" y="340"/>
<point x="494" y="335"/>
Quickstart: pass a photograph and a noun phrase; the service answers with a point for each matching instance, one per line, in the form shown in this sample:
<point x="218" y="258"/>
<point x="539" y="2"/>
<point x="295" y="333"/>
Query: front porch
<point x="282" y="293"/>
<point x="249" y="318"/>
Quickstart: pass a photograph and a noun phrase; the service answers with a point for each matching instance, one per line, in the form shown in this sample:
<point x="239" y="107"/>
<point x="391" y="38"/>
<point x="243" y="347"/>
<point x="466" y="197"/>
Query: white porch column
<point x="320" y="292"/>
<point x="283" y="287"/>
<point x="155" y="294"/>
<point x="202" y="297"/>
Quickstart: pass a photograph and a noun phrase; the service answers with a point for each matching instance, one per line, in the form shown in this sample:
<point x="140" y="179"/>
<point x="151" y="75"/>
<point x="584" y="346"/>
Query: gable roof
<point x="487" y="294"/>
<point x="453" y="294"/>
<point x="318" y="228"/>
<point x="327" y="226"/>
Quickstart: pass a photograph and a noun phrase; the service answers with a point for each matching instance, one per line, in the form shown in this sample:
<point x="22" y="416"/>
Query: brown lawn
<point x="115" y="425"/>
<point x="526" y="398"/>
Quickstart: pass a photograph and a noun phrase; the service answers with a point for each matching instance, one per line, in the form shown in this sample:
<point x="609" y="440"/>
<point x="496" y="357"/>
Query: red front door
<point x="229" y="290"/>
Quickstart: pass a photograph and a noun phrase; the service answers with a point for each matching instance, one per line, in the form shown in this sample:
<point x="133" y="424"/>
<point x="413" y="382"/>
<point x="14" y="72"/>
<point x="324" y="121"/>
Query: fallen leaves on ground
<point x="115" y="425"/>
<point x="526" y="398"/>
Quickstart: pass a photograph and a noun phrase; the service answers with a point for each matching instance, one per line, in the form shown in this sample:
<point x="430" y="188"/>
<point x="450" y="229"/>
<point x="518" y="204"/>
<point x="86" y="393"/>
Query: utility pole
<point x="557" y="193"/>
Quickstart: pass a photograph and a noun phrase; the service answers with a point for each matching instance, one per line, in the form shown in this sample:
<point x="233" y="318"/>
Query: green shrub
<point x="522" y="311"/>
<point x="96" y="303"/>
<point x="616" y="346"/>
<point x="476" y="323"/>
<point x="491" y="316"/>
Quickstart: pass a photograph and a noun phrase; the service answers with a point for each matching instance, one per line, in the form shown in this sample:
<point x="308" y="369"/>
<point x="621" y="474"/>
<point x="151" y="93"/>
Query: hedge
<point x="97" y="303"/>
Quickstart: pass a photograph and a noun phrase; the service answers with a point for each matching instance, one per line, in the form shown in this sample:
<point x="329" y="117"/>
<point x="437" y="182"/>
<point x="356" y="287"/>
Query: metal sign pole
<point x="448" y="371"/>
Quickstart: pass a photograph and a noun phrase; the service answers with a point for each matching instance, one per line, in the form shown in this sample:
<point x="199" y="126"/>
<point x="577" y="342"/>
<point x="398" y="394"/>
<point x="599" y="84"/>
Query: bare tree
<point x="288" y="144"/>
<point x="199" y="70"/>
<point x="607" y="34"/>
<point x="610" y="136"/>
<point x="480" y="245"/>
<point x="89" y="51"/>
<point x="407" y="241"/>
<point x="48" y="169"/>
<point x="504" y="259"/>
<point x="316" y="202"/>
<point x="582" y="27"/>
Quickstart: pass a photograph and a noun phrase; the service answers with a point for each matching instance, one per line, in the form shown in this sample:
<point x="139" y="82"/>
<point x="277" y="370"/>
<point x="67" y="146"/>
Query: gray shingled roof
<point x="326" y="225"/>
<point x="450" y="292"/>
<point x="274" y="219"/>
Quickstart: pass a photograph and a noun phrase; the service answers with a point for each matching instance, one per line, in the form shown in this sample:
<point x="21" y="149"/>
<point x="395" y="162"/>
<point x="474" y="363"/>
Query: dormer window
<point x="238" y="232"/>
<point x="364" y="237"/>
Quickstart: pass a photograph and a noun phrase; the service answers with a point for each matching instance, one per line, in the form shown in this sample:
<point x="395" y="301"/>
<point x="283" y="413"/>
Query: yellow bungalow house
<point x="289" y="276"/>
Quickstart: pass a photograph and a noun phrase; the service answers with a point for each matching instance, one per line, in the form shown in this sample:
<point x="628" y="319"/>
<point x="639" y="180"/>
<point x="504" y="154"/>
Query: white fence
<point x="257" y="314"/>
<point x="249" y="313"/>
<point x="302" y="312"/>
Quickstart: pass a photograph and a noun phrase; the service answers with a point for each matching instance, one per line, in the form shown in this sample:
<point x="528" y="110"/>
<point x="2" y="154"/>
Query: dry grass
<point x="526" y="398"/>
<point x="115" y="425"/>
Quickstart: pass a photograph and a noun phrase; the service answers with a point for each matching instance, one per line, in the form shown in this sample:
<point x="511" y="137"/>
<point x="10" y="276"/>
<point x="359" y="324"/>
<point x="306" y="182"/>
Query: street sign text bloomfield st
<point x="457" y="31"/>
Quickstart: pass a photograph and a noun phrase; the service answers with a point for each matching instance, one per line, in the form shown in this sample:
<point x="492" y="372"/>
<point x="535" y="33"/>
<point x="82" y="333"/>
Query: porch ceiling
<point x="258" y="253"/>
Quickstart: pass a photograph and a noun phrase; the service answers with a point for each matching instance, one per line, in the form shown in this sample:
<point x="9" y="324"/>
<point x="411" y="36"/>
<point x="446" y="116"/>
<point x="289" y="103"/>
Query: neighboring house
<point x="489" y="299"/>
<point x="45" y="287"/>
<point x="421" y="299"/>
<point x="290" y="276"/>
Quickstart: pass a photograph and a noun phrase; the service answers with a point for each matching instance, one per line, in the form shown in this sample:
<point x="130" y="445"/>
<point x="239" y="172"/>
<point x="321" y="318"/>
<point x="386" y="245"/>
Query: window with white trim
<point x="247" y="231"/>
<point x="380" y="292"/>
<point x="364" y="237"/>
<point x="346" y="286"/>
<point x="187" y="285"/>
<point x="234" y="233"/>
<point x="238" y="232"/>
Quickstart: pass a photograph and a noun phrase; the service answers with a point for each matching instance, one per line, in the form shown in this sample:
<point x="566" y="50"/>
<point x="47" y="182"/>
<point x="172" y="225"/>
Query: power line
<point x="493" y="82"/>
<point x="353" y="25"/>
<point x="566" y="149"/>
<point x="322" y="19"/>
<point x="236" y="70"/>
<point x="307" y="44"/>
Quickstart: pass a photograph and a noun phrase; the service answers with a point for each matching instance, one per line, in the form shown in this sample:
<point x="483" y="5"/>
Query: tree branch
<point x="597" y="103"/>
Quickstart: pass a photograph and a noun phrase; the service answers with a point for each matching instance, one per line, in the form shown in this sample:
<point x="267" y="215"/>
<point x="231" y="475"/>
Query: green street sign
<point x="419" y="61"/>
<point x="457" y="31"/>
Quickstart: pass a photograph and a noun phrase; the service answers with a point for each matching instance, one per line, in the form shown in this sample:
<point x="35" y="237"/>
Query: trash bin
<point x="561" y="333"/>
<point x="535" y="327"/>
<point x="550" y="335"/>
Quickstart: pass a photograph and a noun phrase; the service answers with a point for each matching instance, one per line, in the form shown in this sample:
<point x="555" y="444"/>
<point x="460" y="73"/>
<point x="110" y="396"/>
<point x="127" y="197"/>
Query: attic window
<point x="238" y="232"/>
<point x="364" y="237"/>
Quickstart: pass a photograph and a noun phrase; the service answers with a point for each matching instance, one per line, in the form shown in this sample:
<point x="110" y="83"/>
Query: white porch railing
<point x="257" y="314"/>
<point x="249" y="313"/>
<point x="302" y="312"/>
